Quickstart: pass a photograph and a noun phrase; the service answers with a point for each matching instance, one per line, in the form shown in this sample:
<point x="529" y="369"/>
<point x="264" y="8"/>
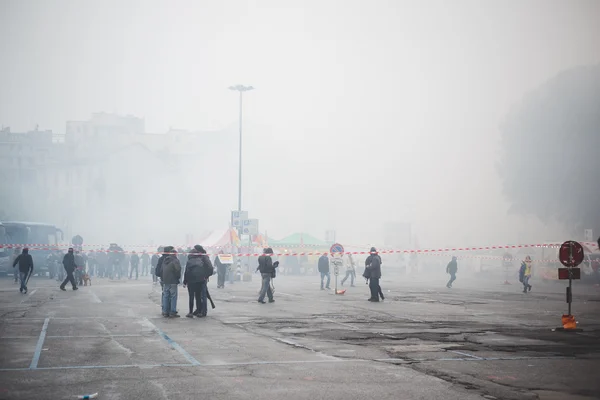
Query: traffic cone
<point x="568" y="322"/>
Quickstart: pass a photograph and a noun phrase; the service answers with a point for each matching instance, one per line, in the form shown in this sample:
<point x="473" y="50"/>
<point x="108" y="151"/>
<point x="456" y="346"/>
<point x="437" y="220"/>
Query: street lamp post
<point x="241" y="89"/>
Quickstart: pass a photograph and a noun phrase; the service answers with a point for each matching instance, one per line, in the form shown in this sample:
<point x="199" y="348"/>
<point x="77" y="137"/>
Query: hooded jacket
<point x="198" y="268"/>
<point x="323" y="265"/>
<point x="25" y="261"/>
<point x="171" y="269"/>
<point x="69" y="262"/>
<point x="265" y="264"/>
<point x="373" y="263"/>
<point x="452" y="267"/>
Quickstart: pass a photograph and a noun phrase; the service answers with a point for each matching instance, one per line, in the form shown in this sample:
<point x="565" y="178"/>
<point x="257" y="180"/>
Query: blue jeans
<point x="266" y="288"/>
<point x="23" y="280"/>
<point x="169" y="298"/>
<point x="323" y="275"/>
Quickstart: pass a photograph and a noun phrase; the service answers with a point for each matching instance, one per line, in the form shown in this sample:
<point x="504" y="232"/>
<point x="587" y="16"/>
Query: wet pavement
<point x="479" y="340"/>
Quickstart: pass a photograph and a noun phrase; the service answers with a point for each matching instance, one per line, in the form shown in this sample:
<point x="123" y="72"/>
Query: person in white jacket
<point x="350" y="270"/>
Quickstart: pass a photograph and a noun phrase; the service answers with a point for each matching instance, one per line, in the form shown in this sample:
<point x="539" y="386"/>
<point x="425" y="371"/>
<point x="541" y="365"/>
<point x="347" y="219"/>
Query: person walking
<point x="525" y="274"/>
<point x="145" y="258"/>
<point x="350" y="270"/>
<point x="25" y="262"/>
<point x="171" y="275"/>
<point x="267" y="270"/>
<point x="13" y="257"/>
<point x="323" y="267"/>
<point x="451" y="269"/>
<point x="69" y="264"/>
<point x="373" y="264"/>
<point x="135" y="263"/>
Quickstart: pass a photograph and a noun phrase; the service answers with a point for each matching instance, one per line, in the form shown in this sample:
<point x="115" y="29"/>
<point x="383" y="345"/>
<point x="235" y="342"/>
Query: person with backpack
<point x="373" y="265"/>
<point x="197" y="271"/>
<point x="25" y="262"/>
<point x="323" y="267"/>
<point x="525" y="274"/>
<point x="171" y="275"/>
<point x="451" y="269"/>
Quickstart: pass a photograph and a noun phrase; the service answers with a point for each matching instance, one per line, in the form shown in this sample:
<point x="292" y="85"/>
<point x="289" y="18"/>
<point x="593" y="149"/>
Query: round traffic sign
<point x="570" y="254"/>
<point x="336" y="248"/>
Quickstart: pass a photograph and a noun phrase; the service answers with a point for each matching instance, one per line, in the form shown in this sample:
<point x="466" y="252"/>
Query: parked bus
<point x="40" y="237"/>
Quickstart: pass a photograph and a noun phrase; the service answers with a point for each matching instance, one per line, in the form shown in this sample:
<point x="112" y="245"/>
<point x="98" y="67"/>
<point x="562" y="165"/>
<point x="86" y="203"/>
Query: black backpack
<point x="159" y="268"/>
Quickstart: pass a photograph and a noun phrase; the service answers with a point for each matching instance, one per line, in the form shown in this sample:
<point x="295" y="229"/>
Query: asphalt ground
<point x="481" y="339"/>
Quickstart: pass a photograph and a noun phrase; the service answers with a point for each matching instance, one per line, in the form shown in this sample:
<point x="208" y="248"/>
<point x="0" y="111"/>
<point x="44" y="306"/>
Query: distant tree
<point x="550" y="162"/>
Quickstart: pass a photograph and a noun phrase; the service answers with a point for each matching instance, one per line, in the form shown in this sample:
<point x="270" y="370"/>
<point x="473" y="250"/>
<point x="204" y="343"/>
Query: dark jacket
<point x="102" y="258"/>
<point x="323" y="265"/>
<point x="171" y="270"/>
<point x="452" y="267"/>
<point x="135" y="259"/>
<point x="373" y="263"/>
<point x="25" y="261"/>
<point x="265" y="264"/>
<point x="198" y="268"/>
<point x="69" y="262"/>
<point x="145" y="259"/>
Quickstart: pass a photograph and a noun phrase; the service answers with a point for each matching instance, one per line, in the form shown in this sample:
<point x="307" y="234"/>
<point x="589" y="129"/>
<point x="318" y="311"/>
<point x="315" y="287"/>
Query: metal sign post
<point x="570" y="255"/>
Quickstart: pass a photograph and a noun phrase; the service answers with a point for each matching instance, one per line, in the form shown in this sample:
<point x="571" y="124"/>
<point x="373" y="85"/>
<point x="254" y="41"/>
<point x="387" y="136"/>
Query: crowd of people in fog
<point x="192" y="268"/>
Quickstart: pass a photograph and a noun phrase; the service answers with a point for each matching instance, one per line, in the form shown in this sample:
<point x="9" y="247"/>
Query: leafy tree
<point x="550" y="162"/>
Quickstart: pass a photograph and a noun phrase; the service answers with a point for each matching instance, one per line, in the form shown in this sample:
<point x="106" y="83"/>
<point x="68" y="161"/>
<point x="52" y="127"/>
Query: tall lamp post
<point x="241" y="89"/>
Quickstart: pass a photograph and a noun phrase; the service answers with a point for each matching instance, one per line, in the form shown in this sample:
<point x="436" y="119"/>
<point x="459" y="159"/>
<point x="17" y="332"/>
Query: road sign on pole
<point x="336" y="248"/>
<point x="570" y="255"/>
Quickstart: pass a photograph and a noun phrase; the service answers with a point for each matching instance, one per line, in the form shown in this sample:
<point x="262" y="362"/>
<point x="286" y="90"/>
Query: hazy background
<point x="364" y="111"/>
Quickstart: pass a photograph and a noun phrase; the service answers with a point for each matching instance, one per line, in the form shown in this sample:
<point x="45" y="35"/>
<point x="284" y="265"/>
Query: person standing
<point x="25" y="262"/>
<point x="135" y="263"/>
<point x="373" y="264"/>
<point x="153" y="265"/>
<point x="525" y="274"/>
<point x="221" y="271"/>
<point x="451" y="269"/>
<point x="145" y="263"/>
<point x="69" y="264"/>
<point x="102" y="261"/>
<point x="350" y="270"/>
<point x="171" y="275"/>
<point x="197" y="271"/>
<point x="323" y="267"/>
<point x="267" y="269"/>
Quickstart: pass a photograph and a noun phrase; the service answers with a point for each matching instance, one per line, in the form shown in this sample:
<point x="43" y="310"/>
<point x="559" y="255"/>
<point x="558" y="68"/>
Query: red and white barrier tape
<point x="407" y="251"/>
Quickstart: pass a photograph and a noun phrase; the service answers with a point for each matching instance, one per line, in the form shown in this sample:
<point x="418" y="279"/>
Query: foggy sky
<point x="364" y="111"/>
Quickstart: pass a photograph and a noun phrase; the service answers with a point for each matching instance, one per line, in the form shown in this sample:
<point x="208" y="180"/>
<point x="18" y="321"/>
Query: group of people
<point x="195" y="273"/>
<point x="372" y="272"/>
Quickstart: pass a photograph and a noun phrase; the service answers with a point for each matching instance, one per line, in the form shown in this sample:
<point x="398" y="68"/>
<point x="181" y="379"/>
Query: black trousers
<point x="133" y="267"/>
<point x="375" y="289"/>
<point x="69" y="278"/>
<point x="194" y="292"/>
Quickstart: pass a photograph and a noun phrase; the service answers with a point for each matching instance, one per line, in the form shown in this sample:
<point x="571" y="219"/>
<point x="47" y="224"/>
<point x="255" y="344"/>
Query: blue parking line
<point x="174" y="344"/>
<point x="40" y="345"/>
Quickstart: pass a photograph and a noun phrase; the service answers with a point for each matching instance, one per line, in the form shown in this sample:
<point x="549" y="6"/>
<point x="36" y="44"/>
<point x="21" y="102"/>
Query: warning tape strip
<point x="286" y="254"/>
